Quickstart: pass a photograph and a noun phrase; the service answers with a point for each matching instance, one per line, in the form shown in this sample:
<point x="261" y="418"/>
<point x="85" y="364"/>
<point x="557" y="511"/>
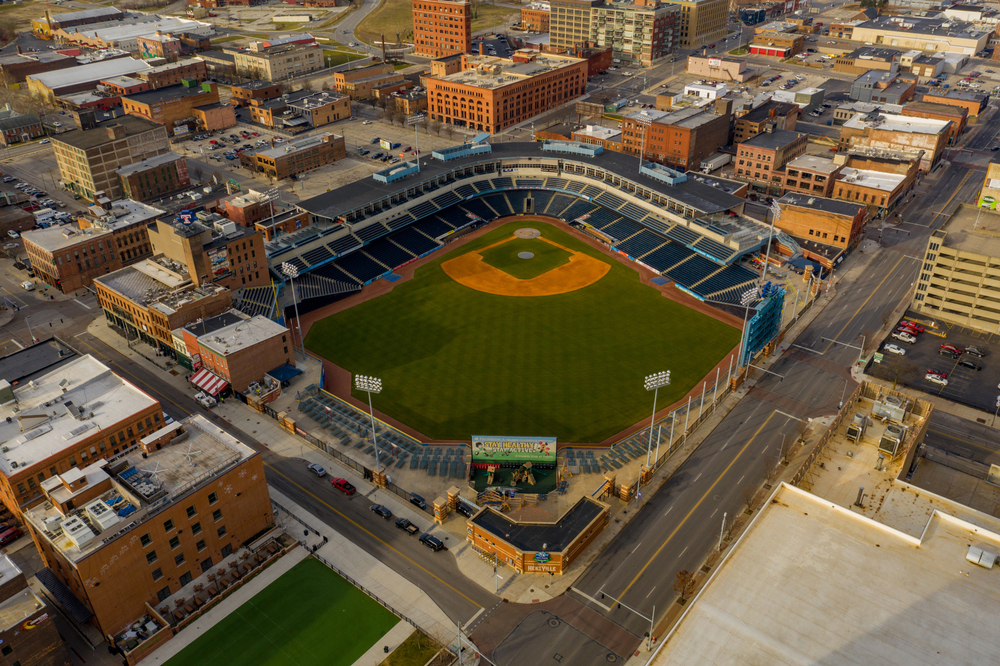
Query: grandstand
<point x="688" y="229"/>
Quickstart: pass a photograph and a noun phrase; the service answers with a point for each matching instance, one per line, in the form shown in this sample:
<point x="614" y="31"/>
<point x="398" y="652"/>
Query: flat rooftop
<point x="813" y="163"/>
<point x="975" y="230"/>
<point x="167" y="94"/>
<point x="491" y="72"/>
<point x="149" y="163"/>
<point x="212" y="324"/>
<point x="56" y="409"/>
<point x="97" y="12"/>
<point x="940" y="27"/>
<point x="91" y="138"/>
<point x="834" y="206"/>
<point x="868" y="107"/>
<point x="125" y="212"/>
<point x="598" y="132"/>
<point x="552" y="537"/>
<point x="772" y="140"/>
<point x="241" y="335"/>
<point x="885" y="182"/>
<point x="31" y="362"/>
<point x="93" y="72"/>
<point x="56" y="238"/>
<point x="197" y="456"/>
<point x="892" y="123"/>
<point x="294" y="146"/>
<point x="147" y="280"/>
<point x="16" y="609"/>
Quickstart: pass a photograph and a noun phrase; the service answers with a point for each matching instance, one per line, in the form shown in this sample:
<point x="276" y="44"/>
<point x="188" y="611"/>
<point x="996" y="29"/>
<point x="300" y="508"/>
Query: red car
<point x="952" y="348"/>
<point x="915" y="326"/>
<point x="908" y="329"/>
<point x="9" y="536"/>
<point x="343" y="486"/>
<point x="942" y="375"/>
<point x="255" y="133"/>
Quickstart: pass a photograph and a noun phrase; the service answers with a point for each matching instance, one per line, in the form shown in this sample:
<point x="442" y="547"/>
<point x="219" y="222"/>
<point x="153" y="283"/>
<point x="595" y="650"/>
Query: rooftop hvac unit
<point x="101" y="514"/>
<point x="77" y="531"/>
<point x="52" y="524"/>
<point x="981" y="556"/>
<point x="892" y="439"/>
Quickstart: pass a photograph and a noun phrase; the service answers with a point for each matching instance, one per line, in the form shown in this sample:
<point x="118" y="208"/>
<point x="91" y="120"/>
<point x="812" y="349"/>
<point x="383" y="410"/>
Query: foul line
<point x="695" y="507"/>
<point x="862" y="306"/>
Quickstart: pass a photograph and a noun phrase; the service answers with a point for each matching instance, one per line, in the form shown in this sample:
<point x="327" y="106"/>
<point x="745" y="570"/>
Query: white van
<point x="28" y="285"/>
<point x="205" y="400"/>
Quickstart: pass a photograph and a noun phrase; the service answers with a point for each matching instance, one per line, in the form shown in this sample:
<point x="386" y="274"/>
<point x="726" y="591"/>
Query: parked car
<point x="947" y="353"/>
<point x="464" y="509"/>
<point x="970" y="364"/>
<point x="417" y="500"/>
<point x="404" y="524"/>
<point x="317" y="470"/>
<point x="431" y="542"/>
<point x="975" y="351"/>
<point x="9" y="536"/>
<point x="375" y="140"/>
<point x="942" y="375"/>
<point x="952" y="348"/>
<point x="894" y="349"/>
<point x="912" y="324"/>
<point x="344" y="486"/>
<point x="382" y="511"/>
<point x="934" y="379"/>
<point x="903" y="336"/>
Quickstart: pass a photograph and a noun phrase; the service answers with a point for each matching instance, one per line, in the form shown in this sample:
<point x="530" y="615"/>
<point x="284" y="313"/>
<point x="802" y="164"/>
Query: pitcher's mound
<point x="527" y="233"/>
<point x="525" y="255"/>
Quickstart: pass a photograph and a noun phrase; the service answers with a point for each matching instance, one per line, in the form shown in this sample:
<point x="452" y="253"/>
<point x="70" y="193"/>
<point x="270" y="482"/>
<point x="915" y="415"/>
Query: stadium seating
<point x="693" y="270"/>
<point x="591" y="191"/>
<point x="516" y="199"/>
<point x="602" y="217"/>
<point x="529" y="182"/>
<point x="388" y="253"/>
<point x="541" y="200"/>
<point x="503" y="183"/>
<point x="656" y="224"/>
<point x="334" y="273"/>
<point x="622" y="229"/>
<point x="729" y="277"/>
<point x="423" y="209"/>
<point x="342" y="245"/>
<point x="574" y="186"/>
<point x="683" y="235"/>
<point x="479" y="207"/>
<point x="667" y="256"/>
<point x="633" y="211"/>
<point x="577" y="209"/>
<point x="433" y="226"/>
<point x="498" y="202"/>
<point x="718" y="251"/>
<point x="371" y="232"/>
<point x="465" y="190"/>
<point x="641" y="243"/>
<point x="609" y="200"/>
<point x="556" y="183"/>
<point x="360" y="266"/>
<point x="560" y="202"/>
<point x="446" y="199"/>
<point x="316" y="255"/>
<point x="414" y="241"/>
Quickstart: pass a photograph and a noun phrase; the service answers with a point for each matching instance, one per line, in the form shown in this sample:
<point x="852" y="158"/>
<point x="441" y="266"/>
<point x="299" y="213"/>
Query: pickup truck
<point x="404" y="524"/>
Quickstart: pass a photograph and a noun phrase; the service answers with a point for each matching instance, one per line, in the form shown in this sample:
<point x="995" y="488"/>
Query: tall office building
<point x="638" y="33"/>
<point x="702" y="23"/>
<point x="442" y="27"/>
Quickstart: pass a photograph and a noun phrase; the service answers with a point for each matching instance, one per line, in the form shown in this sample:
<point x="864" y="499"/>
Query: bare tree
<point x="771" y="463"/>
<point x="449" y="130"/>
<point x="896" y="369"/>
<point x="685" y="584"/>
<point x="433" y="125"/>
<point x="870" y="336"/>
<point x="749" y="494"/>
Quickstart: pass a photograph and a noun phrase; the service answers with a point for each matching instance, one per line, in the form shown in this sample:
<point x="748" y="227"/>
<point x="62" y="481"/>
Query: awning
<point x="209" y="382"/>
<point x="63" y="595"/>
<point x="284" y="372"/>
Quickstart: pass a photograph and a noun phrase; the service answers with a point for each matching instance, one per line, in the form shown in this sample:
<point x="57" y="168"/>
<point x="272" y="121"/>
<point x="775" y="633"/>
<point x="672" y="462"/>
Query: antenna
<point x="189" y="454"/>
<point x="152" y="472"/>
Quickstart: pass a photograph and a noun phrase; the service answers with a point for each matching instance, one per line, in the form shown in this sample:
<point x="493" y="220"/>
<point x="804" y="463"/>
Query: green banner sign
<point x="499" y="450"/>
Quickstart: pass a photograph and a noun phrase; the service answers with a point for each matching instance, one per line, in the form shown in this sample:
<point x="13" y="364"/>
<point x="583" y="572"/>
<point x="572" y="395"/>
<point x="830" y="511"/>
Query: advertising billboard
<point x="220" y="262"/>
<point x="715" y="62"/>
<point x="498" y="450"/>
<point x="386" y="145"/>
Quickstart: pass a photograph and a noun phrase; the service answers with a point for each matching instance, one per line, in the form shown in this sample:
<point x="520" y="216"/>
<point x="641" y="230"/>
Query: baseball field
<point x="506" y="335"/>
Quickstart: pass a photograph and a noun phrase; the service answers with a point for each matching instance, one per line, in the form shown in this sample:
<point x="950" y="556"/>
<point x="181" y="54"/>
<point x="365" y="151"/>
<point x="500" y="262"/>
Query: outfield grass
<point x="457" y="362"/>
<point x="504" y="257"/>
<point x="310" y="616"/>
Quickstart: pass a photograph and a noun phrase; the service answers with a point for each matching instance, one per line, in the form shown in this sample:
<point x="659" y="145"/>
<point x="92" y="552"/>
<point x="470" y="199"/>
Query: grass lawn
<point x="340" y="56"/>
<point x="504" y="257"/>
<point x="488" y="16"/>
<point x="456" y="362"/>
<point x="389" y="18"/>
<point x="416" y="650"/>
<point x="310" y="616"/>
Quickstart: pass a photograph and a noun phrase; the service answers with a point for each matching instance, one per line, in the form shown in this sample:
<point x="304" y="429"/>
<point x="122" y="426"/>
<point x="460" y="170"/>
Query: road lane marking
<point x="81" y="304"/>
<point x="964" y="441"/>
<point x="695" y="508"/>
<point x="590" y="599"/>
<point x="668" y="511"/>
<point x="650" y="591"/>
<point x="636" y="547"/>
<point x="861" y="307"/>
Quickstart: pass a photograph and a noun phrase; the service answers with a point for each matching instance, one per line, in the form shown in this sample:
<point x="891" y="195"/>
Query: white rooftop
<point x="812" y="163"/>
<point x="93" y="72"/>
<point x="241" y="335"/>
<point x="55" y="238"/>
<point x="812" y="582"/>
<point x="125" y="212"/>
<point x="894" y="123"/>
<point x="886" y="182"/>
<point x="598" y="132"/>
<point x="124" y="31"/>
<point x="55" y="411"/>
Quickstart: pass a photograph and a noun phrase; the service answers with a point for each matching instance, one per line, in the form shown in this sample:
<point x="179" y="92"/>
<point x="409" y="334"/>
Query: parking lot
<point x="970" y="387"/>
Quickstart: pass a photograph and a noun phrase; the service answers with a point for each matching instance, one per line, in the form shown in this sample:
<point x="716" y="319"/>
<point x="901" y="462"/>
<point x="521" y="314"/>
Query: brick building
<point x="719" y="68"/>
<point x="762" y="159"/>
<point x="125" y="85"/>
<point x="300" y="155"/>
<point x="896" y="132"/>
<point x="549" y="547"/>
<point x="362" y="82"/>
<point x="865" y="59"/>
<point x="535" y="16"/>
<point x="174" y="73"/>
<point x="442" y="27"/>
<point x="105" y="413"/>
<point x="152" y="297"/>
<point x="879" y="192"/>
<point x="278" y="63"/>
<point x="173" y="106"/>
<point x="824" y="221"/>
<point x="315" y="109"/>
<point x="29" y="634"/>
<point x="154" y="177"/>
<point x="777" y="44"/>
<point x="958" y="115"/>
<point x="884" y="87"/>
<point x="220" y="65"/>
<point x="160" y="45"/>
<point x="18" y="129"/>
<point x="606" y="137"/>
<point x="212" y="250"/>
<point x="780" y="115"/>
<point x="214" y="117"/>
<point x="574" y="24"/>
<point x="411" y="102"/>
<point x="16" y="67"/>
<point x="243" y="352"/>
<point x="973" y="102"/>
<point x="256" y="210"/>
<point x="254" y="91"/>
<point x="45" y="26"/>
<point x="681" y="138"/>
<point x="118" y="567"/>
<point x="89" y="157"/>
<point x="490" y="94"/>
<point x="808" y="174"/>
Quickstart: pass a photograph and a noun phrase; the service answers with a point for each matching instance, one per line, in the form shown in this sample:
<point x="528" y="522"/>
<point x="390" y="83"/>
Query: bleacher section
<point x="560" y="202"/>
<point x="692" y="271"/>
<point x="516" y="199"/>
<point x="622" y="229"/>
<point x="316" y="255"/>
<point x="371" y="232"/>
<point x="683" y="235"/>
<point x="728" y="279"/>
<point x="577" y="209"/>
<point x="342" y="245"/>
<point x="480" y="208"/>
<point x="360" y="267"/>
<point x="602" y="217"/>
<point x="667" y="256"/>
<point x="332" y="272"/>
<point x="556" y="183"/>
<point x="465" y="190"/>
<point x="388" y="253"/>
<point x="498" y="202"/>
<point x="414" y="241"/>
<point x="255" y="301"/>
<point x="423" y="209"/>
<point x="433" y="226"/>
<point x="541" y="199"/>
<point x="643" y="242"/>
<point x="609" y="200"/>
<point x="503" y="183"/>
<point x="717" y="250"/>
<point x="447" y="199"/>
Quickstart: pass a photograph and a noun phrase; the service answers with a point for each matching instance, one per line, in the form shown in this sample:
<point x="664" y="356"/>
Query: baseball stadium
<point x="524" y="290"/>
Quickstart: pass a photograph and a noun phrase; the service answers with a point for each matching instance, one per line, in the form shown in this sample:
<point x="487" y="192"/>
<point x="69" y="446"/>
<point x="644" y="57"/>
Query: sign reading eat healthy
<point x="499" y="450"/>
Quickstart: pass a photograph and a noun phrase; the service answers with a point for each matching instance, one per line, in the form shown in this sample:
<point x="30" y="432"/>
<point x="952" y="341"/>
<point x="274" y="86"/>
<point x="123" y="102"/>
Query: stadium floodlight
<point x="748" y="298"/>
<point x="292" y="271"/>
<point x="654" y="383"/>
<point x="370" y="385"/>
<point x="775" y="216"/>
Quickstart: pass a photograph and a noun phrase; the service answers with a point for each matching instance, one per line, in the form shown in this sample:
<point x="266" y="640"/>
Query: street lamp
<point x="370" y="385"/>
<point x="28" y="324"/>
<point x="653" y="383"/>
<point x="292" y="272"/>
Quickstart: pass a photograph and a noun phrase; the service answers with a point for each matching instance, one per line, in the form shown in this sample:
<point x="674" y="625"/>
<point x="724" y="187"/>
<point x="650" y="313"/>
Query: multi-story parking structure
<point x="687" y="227"/>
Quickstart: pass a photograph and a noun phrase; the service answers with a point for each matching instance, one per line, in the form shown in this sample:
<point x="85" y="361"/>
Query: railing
<point x="344" y="575"/>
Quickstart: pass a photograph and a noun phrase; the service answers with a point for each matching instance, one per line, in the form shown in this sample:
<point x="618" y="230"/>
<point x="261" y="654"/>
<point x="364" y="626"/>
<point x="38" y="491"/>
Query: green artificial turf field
<point x="456" y="362"/>
<point x="309" y="616"/>
<point x="547" y="256"/>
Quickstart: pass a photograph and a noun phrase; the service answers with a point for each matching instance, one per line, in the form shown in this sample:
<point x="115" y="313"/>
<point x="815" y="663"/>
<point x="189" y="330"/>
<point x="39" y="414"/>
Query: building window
<point x="217" y="515"/>
<point x="201" y="545"/>
<point x="157" y="573"/>
<point x="163" y="593"/>
<point x="168" y="525"/>
<point x="175" y="543"/>
<point x="185" y="578"/>
<point x="196" y="529"/>
<point x="151" y="557"/>
<point x="227" y="550"/>
<point x="179" y="560"/>
<point x="213" y="498"/>
<point x="145" y="540"/>
<point x="221" y="531"/>
<point x="191" y="511"/>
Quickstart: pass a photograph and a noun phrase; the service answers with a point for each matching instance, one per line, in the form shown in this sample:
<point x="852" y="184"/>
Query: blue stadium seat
<point x="579" y="208"/>
<point x="423" y="209"/>
<point x="334" y="273"/>
<point x="498" y="202"/>
<point x="361" y="267"/>
<point x="633" y="211"/>
<point x="371" y="232"/>
<point x="316" y="255"/>
<point x="465" y="190"/>
<point x="433" y="226"/>
<point x="559" y="203"/>
<point x="622" y="229"/>
<point x="645" y="241"/>
<point x="692" y="271"/>
<point x="609" y="200"/>
<point x="516" y="199"/>
<point x="414" y="241"/>
<point x="388" y="253"/>
<point x="342" y="245"/>
<point x="666" y="256"/>
<point x="728" y="278"/>
<point x="540" y="201"/>
<point x="556" y="183"/>
<point x="479" y="207"/>
<point x="684" y="235"/>
<point x="716" y="249"/>
<point x="602" y="217"/>
<point x="574" y="186"/>
<point x="446" y="199"/>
